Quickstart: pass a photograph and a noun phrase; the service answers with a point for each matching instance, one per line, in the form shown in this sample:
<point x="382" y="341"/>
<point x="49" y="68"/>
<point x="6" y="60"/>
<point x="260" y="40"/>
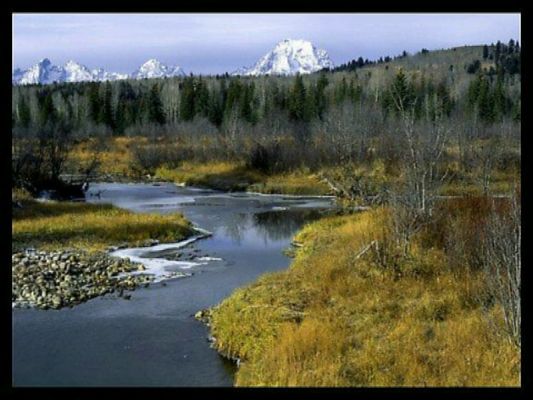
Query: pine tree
<point x="155" y="107"/>
<point x="485" y="101"/>
<point x="201" y="98"/>
<point x="297" y="99"/>
<point x="187" y="100"/>
<point x="485" y="52"/>
<point x="47" y="112"/>
<point x="497" y="52"/>
<point x="94" y="101"/>
<point x="310" y="106"/>
<point x="24" y="113"/>
<point x="233" y="96"/>
<point x="245" y="102"/>
<point x="499" y="100"/>
<point x="106" y="111"/>
<point x="321" y="100"/>
<point x="215" y="110"/>
<point x="341" y="91"/>
<point x="401" y="95"/>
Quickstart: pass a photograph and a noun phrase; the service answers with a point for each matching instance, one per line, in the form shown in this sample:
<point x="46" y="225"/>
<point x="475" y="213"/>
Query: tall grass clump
<point x="340" y="316"/>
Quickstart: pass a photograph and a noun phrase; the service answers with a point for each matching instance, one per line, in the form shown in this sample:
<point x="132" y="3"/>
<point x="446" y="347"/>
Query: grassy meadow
<point x="337" y="317"/>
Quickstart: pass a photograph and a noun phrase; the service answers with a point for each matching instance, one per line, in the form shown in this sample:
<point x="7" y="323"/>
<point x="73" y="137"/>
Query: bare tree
<point x="425" y="149"/>
<point x="502" y="264"/>
<point x="486" y="156"/>
<point x="412" y="201"/>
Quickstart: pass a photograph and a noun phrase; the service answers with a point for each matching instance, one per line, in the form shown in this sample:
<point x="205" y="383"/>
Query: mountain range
<point x="44" y="72"/>
<point x="288" y="57"/>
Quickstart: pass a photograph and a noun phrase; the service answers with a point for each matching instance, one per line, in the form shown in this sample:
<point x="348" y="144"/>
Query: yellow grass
<point x="236" y="176"/>
<point x="55" y="225"/>
<point x="334" y="319"/>
<point x="115" y="159"/>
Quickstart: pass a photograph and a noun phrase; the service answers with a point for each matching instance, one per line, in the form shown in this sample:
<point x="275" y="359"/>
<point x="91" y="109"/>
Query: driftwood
<point x="366" y="248"/>
<point x="336" y="189"/>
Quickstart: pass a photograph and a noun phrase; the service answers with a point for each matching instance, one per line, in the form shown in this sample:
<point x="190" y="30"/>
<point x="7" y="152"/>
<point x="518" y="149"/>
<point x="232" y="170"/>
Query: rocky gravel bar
<point x="56" y="279"/>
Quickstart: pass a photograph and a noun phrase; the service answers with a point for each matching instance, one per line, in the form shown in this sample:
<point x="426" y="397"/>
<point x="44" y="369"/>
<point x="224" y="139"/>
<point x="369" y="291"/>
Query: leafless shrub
<point x="502" y="264"/>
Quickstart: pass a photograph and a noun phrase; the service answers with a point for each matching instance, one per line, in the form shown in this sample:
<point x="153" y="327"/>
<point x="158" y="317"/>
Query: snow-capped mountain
<point x="75" y="72"/>
<point x="290" y="57"/>
<point x="100" y="74"/>
<point x="155" y="69"/>
<point x="44" y="72"/>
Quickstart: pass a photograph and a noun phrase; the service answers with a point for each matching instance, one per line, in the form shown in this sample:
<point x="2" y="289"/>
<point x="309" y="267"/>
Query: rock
<point x="127" y="296"/>
<point x="199" y="314"/>
<point x="152" y="242"/>
<point x="202" y="315"/>
<point x="65" y="278"/>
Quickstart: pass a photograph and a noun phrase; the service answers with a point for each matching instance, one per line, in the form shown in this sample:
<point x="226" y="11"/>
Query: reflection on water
<point x="236" y="227"/>
<point x="280" y="225"/>
<point x="153" y="339"/>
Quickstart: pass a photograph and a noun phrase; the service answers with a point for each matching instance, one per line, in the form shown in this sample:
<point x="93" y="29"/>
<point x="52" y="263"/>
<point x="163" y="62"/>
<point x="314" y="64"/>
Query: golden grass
<point x="116" y="158"/>
<point x="334" y="319"/>
<point x="295" y="183"/>
<point x="236" y="176"/>
<point x="56" y="225"/>
<point x="215" y="175"/>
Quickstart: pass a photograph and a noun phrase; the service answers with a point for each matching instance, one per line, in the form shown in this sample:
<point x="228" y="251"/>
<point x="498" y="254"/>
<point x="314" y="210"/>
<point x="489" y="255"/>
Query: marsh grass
<point x="336" y="318"/>
<point x="58" y="225"/>
<point x="115" y="157"/>
<point x="237" y="176"/>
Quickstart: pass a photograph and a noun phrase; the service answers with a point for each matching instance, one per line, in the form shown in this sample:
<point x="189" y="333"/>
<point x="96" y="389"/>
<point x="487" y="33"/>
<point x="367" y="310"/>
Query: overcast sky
<point x="217" y="43"/>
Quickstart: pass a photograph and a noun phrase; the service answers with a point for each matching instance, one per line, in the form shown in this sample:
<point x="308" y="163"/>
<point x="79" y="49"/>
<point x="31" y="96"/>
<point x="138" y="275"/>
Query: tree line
<point x="117" y="106"/>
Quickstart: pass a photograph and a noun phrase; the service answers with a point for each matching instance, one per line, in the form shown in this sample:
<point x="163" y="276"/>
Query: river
<point x="153" y="339"/>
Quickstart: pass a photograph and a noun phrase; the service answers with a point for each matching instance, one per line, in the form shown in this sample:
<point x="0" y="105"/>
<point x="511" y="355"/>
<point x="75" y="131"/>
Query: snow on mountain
<point x="100" y="74"/>
<point x="290" y="57"/>
<point x="17" y="75"/>
<point x="76" y="72"/>
<point x="155" y="69"/>
<point x="44" y="72"/>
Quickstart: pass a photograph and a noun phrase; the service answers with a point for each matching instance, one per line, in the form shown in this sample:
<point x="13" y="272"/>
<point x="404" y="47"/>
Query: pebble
<point x="57" y="279"/>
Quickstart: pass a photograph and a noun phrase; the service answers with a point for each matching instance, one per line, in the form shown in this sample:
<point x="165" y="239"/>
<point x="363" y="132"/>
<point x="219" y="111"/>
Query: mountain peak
<point x="152" y="61"/>
<point x="290" y="57"/>
<point x="154" y="68"/>
<point x="44" y="72"/>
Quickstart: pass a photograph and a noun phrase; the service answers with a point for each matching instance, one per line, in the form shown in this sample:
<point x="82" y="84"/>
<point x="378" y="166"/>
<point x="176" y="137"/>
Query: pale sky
<point x="218" y="43"/>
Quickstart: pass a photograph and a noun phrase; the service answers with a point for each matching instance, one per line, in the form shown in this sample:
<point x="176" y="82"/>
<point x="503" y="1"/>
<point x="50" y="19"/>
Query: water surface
<point x="153" y="339"/>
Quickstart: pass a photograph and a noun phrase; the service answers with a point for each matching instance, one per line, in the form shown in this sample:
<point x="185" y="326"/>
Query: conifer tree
<point x="24" y="113"/>
<point x="106" y="111"/>
<point x="186" y="107"/>
<point x="155" y="107"/>
<point x="297" y="99"/>
<point x="485" y="52"/>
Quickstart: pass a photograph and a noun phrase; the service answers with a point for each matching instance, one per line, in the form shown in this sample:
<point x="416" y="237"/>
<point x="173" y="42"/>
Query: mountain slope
<point x="290" y="57"/>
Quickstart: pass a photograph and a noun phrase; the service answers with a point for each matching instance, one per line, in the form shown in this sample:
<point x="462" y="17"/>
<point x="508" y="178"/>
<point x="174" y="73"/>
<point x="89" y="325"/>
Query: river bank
<point x="337" y="317"/>
<point x="60" y="250"/>
<point x="152" y="339"/>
